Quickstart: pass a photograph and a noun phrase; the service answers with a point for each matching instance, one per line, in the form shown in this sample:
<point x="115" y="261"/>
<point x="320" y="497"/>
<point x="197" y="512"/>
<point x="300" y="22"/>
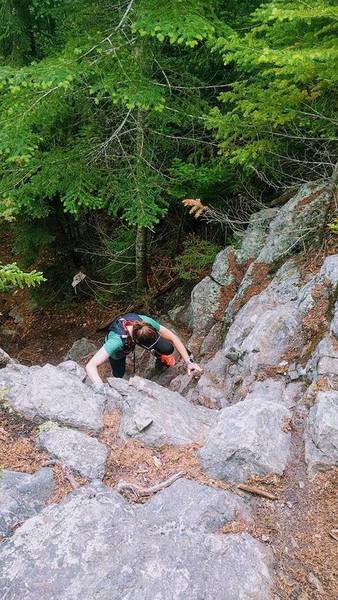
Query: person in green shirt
<point x="136" y="329"/>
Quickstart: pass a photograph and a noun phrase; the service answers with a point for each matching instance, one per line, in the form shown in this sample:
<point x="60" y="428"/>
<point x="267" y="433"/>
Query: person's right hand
<point x="194" y="368"/>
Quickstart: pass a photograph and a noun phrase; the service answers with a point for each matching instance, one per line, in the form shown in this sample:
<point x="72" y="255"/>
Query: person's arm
<point x="181" y="349"/>
<point x="100" y="357"/>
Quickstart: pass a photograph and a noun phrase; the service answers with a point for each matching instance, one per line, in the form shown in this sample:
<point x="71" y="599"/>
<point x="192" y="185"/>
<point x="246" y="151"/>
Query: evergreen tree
<point x="280" y="113"/>
<point x="92" y="123"/>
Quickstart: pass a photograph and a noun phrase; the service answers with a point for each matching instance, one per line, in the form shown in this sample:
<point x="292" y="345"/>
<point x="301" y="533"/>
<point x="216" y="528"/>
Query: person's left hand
<point x="194" y="368"/>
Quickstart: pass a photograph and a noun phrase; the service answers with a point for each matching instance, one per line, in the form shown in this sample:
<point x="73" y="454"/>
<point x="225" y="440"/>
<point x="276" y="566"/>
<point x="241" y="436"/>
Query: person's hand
<point x="193" y="368"/>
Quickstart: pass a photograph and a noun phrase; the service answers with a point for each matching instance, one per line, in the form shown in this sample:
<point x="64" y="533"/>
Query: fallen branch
<point x="124" y="486"/>
<point x="334" y="534"/>
<point x="257" y="491"/>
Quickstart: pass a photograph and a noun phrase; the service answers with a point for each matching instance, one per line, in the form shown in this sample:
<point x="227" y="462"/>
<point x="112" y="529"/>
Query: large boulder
<point x="49" y="393"/>
<point x="96" y="545"/>
<point x="321" y="445"/>
<point x="81" y="349"/>
<point x="188" y="505"/>
<point x="158" y="416"/>
<point x="21" y="496"/>
<point x="247" y="440"/>
<point x="84" y="454"/>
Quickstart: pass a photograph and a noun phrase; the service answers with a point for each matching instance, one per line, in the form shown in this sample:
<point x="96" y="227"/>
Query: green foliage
<point x="196" y="257"/>
<point x="11" y="276"/>
<point x="334" y="226"/>
<point x="120" y="109"/>
<point x="181" y="22"/>
<point x="280" y="110"/>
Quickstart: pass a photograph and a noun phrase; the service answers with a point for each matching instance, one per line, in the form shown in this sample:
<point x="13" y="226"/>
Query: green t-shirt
<point x="114" y="344"/>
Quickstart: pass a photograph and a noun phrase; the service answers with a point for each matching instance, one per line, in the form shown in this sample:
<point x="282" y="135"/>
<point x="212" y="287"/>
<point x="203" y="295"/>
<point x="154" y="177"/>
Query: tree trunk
<point x="141" y="247"/>
<point x="141" y="266"/>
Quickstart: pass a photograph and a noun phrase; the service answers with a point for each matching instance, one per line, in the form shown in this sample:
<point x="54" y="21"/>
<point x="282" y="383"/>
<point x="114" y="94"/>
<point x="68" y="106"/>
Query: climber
<point x="133" y="329"/>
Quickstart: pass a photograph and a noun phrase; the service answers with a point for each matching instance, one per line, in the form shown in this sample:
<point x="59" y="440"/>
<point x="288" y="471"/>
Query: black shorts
<point x="118" y="365"/>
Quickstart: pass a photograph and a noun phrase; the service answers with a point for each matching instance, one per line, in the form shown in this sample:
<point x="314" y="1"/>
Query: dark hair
<point x="144" y="334"/>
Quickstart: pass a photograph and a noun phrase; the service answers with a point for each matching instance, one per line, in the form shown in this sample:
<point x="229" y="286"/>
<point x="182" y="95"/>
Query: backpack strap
<point x="119" y="326"/>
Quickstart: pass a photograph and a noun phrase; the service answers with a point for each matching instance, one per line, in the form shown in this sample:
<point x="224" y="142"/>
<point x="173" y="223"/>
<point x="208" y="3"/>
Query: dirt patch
<point x="272" y="371"/>
<point x="136" y="463"/>
<point x="227" y="294"/>
<point x="17" y="443"/>
<point x="18" y="452"/>
<point x="228" y="291"/>
<point x="297" y="526"/>
<point x="260" y="280"/>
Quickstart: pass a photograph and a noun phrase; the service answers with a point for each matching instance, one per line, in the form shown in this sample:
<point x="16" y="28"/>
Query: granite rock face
<point x="321" y="443"/>
<point x="21" y="496"/>
<point x="324" y="361"/>
<point x="158" y="416"/>
<point x="96" y="545"/>
<point x="299" y="218"/>
<point x="84" y="454"/>
<point x="49" y="393"/>
<point x="272" y="235"/>
<point x="263" y="331"/>
<point x="247" y="440"/>
<point x="207" y="294"/>
<point x="72" y="367"/>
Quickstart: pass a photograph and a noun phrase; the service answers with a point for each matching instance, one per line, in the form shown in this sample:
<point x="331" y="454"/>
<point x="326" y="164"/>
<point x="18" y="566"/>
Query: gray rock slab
<point x="96" y="545"/>
<point x="321" y="445"/>
<point x="72" y="367"/>
<point x="334" y="322"/>
<point x="276" y="390"/>
<point x="254" y="345"/>
<point x="329" y="269"/>
<point x="81" y="349"/>
<point x="84" y="454"/>
<point x="204" y="302"/>
<point x="220" y="271"/>
<point x="247" y="440"/>
<point x="159" y="416"/>
<point x="212" y="341"/>
<point x="188" y="505"/>
<point x="256" y="233"/>
<point x="302" y="216"/>
<point x="21" y="496"/>
<point x="49" y="393"/>
<point x="324" y="361"/>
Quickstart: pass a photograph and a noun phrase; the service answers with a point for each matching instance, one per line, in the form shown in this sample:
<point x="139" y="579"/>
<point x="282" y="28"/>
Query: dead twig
<point x="123" y="486"/>
<point x="334" y="534"/>
<point x="257" y="491"/>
